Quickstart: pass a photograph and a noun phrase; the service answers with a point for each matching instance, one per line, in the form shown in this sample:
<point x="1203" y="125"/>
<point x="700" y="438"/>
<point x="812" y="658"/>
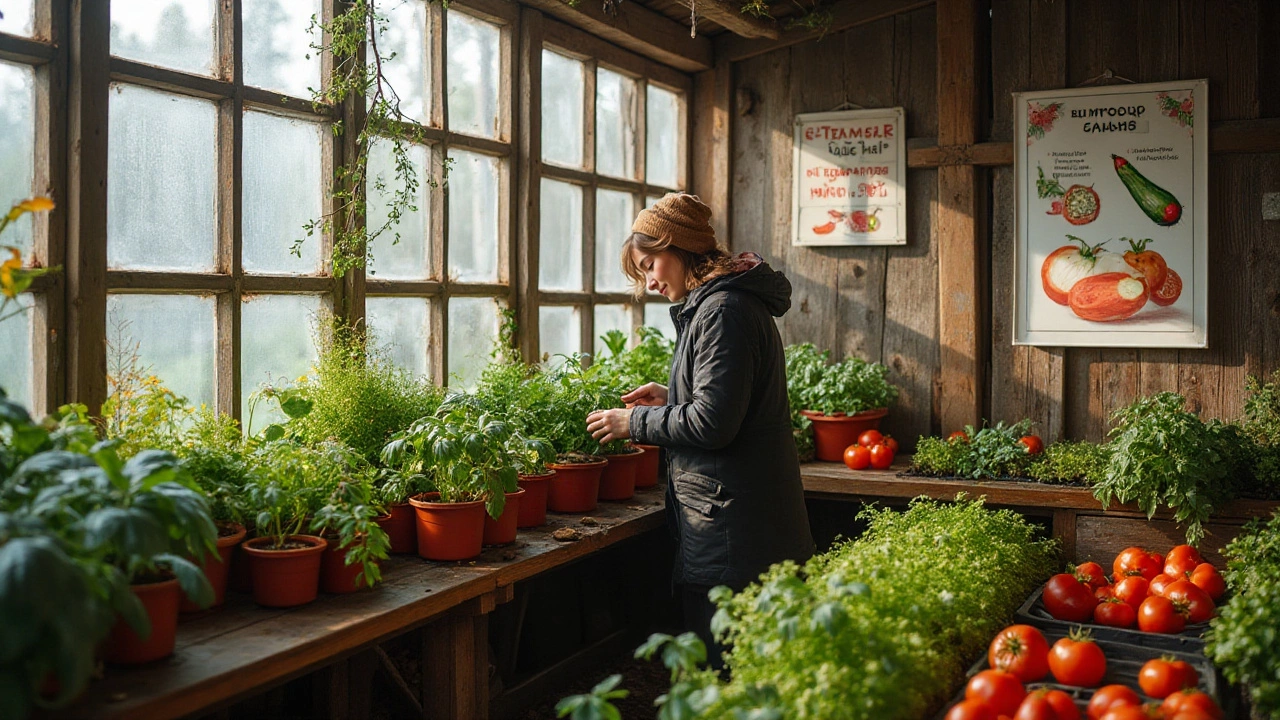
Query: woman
<point x="734" y="497"/>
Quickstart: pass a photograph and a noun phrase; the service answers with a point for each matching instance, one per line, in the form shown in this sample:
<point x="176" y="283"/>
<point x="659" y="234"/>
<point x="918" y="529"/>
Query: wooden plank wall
<point x="883" y="303"/>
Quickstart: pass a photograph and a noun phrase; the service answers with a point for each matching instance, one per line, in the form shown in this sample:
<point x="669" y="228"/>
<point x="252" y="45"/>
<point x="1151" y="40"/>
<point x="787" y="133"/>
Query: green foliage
<point x="594" y="705"/>
<point x="213" y="453"/>
<point x="1080" y="462"/>
<point x="649" y="361"/>
<point x="938" y="457"/>
<point x="1241" y="639"/>
<point x="290" y="482"/>
<point x="804" y="368"/>
<point x="850" y="386"/>
<point x="994" y="451"/>
<point x="139" y="410"/>
<point x="576" y="393"/>
<point x="1261" y="423"/>
<point x="349" y="515"/>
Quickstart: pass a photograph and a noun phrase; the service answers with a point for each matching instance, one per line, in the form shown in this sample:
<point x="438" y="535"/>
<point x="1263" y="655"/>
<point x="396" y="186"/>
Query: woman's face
<point x="663" y="272"/>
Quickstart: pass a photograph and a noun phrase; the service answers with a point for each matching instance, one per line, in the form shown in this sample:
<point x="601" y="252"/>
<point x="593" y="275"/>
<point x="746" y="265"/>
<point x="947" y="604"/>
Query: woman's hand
<point x="651" y="394"/>
<point x="609" y="425"/>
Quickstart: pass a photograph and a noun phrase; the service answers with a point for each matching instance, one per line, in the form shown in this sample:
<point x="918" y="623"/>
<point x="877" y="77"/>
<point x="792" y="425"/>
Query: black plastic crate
<point x="1034" y="613"/>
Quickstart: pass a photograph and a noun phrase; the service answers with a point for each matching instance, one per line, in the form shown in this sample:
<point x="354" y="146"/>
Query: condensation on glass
<point x="278" y="39"/>
<point x="183" y="361"/>
<point x="401" y="328"/>
<point x="283" y="191"/>
<point x="615" y="211"/>
<point x="174" y="34"/>
<point x="17" y="148"/>
<point x="473" y="217"/>
<point x="277" y="341"/>
<point x="474" y="50"/>
<point x="612" y="317"/>
<point x="559" y="333"/>
<point x="407" y="257"/>
<point x="563" y="90"/>
<point x="18" y="15"/>
<point x="662" y="138"/>
<point x="560" y="236"/>
<point x="473" y="330"/>
<point x="616" y="123"/>
<point x="16" y="363"/>
<point x="406" y="64"/>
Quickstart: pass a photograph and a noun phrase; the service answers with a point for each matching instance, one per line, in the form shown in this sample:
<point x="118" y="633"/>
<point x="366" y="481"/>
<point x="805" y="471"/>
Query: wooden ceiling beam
<point x="730" y="16"/>
<point x="844" y="15"/>
<point x="632" y="26"/>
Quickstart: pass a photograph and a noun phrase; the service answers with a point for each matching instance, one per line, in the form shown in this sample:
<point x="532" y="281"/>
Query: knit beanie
<point x="680" y="218"/>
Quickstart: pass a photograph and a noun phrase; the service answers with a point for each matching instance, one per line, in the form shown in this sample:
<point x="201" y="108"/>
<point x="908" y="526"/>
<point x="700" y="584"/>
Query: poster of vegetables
<point x="1112" y="193"/>
<point x="849" y="178"/>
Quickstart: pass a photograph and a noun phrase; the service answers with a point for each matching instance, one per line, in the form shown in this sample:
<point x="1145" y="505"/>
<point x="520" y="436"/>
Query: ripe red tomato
<point x="1110" y="697"/>
<point x="1046" y="704"/>
<point x="881" y="457"/>
<point x="1158" y="615"/>
<point x="1207" y="578"/>
<point x="1137" y="561"/>
<point x="857" y="457"/>
<point x="1066" y="598"/>
<point x="1077" y="660"/>
<point x="1104" y="592"/>
<point x="1092" y="573"/>
<point x="1020" y="650"/>
<point x="1199" y="606"/>
<point x="1159" y="583"/>
<point x="1161" y="677"/>
<point x="1181" y="560"/>
<point x="1132" y="590"/>
<point x="1114" y="612"/>
<point x="1190" y="701"/>
<point x="1000" y="690"/>
<point x="959" y="436"/>
<point x="1063" y="705"/>
<point x="1034" y="444"/>
<point x="892" y="443"/>
<point x="1189" y="715"/>
<point x="1126" y="712"/>
<point x="869" y="438"/>
<point x="971" y="710"/>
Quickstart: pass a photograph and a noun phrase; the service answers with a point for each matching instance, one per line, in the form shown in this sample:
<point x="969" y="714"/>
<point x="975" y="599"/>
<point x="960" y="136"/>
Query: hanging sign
<point x="1112" y="222"/>
<point x="849" y="178"/>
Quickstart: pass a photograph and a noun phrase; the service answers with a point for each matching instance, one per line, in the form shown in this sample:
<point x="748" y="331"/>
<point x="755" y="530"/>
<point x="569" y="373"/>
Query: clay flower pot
<point x="618" y="481"/>
<point x="239" y="576"/>
<point x="833" y="433"/>
<point x="399" y="526"/>
<point x="503" y="530"/>
<point x="336" y="576"/>
<point x="575" y="487"/>
<point x="647" y="467"/>
<point x="287" y="577"/>
<point x="448" y="531"/>
<point x="161" y="600"/>
<point x="217" y="567"/>
<point x="533" y="504"/>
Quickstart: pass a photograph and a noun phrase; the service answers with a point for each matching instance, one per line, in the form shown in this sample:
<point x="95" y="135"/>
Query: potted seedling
<point x="649" y="361"/>
<point x="842" y="400"/>
<point x="284" y="562"/>
<point x="579" y="464"/>
<point x="523" y="395"/>
<point x="356" y="543"/>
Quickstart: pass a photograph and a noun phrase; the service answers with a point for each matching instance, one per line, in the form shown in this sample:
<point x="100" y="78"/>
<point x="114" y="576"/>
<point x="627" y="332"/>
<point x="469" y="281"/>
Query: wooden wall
<point x="882" y="304"/>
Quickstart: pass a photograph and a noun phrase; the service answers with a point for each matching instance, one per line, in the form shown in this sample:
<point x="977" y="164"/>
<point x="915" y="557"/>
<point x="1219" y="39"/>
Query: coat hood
<point x="751" y="275"/>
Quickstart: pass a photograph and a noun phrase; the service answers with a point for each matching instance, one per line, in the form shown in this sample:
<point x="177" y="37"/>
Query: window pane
<point x="17" y="150"/>
<point x="658" y="315"/>
<point x="615" y="124"/>
<point x="161" y="205"/>
<point x="277" y="346"/>
<point x="402" y="326"/>
<point x="17" y="18"/>
<point x="662" y="147"/>
<point x="409" y="257"/>
<point x="15" y="352"/>
<point x="473" y="217"/>
<point x="473" y="50"/>
<point x="176" y="34"/>
<point x="183" y="360"/>
<point x="277" y="43"/>
<point x="283" y="190"/>
<point x="562" y="94"/>
<point x="615" y="211"/>
<point x="559" y="333"/>
<point x="612" y="317"/>
<point x="651" y="200"/>
<point x="473" y="330"/>
<point x="402" y="42"/>
<point x="560" y="239"/>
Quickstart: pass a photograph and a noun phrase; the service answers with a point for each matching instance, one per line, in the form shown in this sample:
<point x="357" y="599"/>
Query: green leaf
<point x="273" y="432"/>
<point x="296" y="406"/>
<point x="192" y="579"/>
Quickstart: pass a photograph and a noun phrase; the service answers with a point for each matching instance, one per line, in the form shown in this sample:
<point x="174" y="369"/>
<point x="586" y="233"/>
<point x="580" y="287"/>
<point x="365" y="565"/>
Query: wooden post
<point x="230" y="142"/>
<point x="711" y="179"/>
<point x="455" y="667"/>
<point x="529" y="169"/>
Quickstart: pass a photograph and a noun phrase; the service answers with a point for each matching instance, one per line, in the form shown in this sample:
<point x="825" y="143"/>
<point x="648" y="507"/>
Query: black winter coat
<point x="734" y="497"/>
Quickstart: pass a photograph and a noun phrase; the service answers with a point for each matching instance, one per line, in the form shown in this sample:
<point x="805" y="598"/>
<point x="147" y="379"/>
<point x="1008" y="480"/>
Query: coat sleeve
<point x="724" y="366"/>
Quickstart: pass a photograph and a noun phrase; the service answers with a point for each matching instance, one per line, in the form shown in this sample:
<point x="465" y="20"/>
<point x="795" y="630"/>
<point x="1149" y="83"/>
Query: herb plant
<point x="649" y="361"/>
<point x="1261" y="423"/>
<point x="1067" y="461"/>
<point x="290" y="482"/>
<point x="349" y="515"/>
<point x="850" y="386"/>
<point x="594" y="705"/>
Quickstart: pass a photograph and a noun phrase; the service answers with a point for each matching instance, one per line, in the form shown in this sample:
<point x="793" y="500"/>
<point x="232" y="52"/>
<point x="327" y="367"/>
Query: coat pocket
<point x="703" y="517"/>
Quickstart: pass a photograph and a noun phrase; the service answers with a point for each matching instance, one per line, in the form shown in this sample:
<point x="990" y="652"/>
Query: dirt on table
<point x="644" y="679"/>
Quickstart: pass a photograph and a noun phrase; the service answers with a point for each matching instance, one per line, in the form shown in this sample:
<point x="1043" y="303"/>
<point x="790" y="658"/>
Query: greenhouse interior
<point x="618" y="359"/>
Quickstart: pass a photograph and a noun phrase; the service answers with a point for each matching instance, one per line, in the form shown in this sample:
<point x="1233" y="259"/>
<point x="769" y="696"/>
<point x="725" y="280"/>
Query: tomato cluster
<point x="873" y="449"/>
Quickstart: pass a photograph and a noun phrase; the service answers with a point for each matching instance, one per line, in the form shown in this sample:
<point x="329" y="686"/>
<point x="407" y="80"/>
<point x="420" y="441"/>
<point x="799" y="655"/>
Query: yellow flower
<point x="8" y="273"/>
<point x="38" y="203"/>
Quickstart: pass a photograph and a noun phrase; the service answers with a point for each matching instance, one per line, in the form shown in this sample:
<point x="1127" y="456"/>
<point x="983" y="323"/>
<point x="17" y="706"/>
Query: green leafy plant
<point x="938" y="457"/>
<point x="1261" y="423"/>
<point x="994" y="451"/>
<point x="1080" y="462"/>
<point x="649" y="361"/>
<point x="213" y="453"/>
<point x="575" y="393"/>
<point x="594" y="705"/>
<point x="140" y="410"/>
<point x="804" y="368"/>
<point x="348" y="515"/>
<point x="850" y="386"/>
<point x="290" y="482"/>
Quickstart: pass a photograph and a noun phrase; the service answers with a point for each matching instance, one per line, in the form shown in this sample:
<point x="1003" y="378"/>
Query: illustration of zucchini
<point x="1159" y="204"/>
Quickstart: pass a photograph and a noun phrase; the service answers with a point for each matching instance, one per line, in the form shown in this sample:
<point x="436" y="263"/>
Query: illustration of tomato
<point x="824" y="229"/>
<point x="1079" y="205"/>
<point x="1169" y="291"/>
<point x="861" y="221"/>
<point x="1071" y="263"/>
<point x="1108" y="297"/>
<point x="1148" y="262"/>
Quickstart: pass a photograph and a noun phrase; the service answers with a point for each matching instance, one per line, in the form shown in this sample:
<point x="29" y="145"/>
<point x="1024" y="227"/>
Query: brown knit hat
<point x="683" y="219"/>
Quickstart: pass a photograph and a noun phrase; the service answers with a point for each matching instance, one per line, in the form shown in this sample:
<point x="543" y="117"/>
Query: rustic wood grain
<point x="638" y="29"/>
<point x="711" y="168"/>
<point x="528" y="169"/>
<point x="1101" y="538"/>
<point x="845" y="15"/>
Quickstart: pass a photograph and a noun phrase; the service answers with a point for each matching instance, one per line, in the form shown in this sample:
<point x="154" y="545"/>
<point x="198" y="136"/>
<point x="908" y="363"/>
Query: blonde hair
<point x="698" y="267"/>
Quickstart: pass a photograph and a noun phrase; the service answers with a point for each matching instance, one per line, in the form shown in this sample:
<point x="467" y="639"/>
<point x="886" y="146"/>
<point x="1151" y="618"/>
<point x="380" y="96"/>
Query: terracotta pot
<point x="161" y="600"/>
<point x="399" y="526"/>
<point x="533" y="505"/>
<point x="503" y="530"/>
<point x="647" y="468"/>
<point x="285" y="578"/>
<point x="336" y="576"/>
<point x="217" y="568"/>
<point x="448" y="531"/>
<point x="833" y="433"/>
<point x="618" y="481"/>
<point x="576" y="487"/>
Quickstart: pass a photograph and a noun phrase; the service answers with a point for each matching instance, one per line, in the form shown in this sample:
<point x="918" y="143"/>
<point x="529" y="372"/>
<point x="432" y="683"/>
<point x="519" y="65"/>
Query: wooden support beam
<point x="636" y="28"/>
<point x="711" y="172"/>
<point x="453" y="683"/>
<point x="729" y="16"/>
<point x="844" y="15"/>
<point x="529" y="187"/>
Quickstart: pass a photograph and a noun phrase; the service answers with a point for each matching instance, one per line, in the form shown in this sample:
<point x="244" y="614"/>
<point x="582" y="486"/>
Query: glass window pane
<point x="615" y="124"/>
<point x="474" y="48"/>
<point x="651" y="200"/>
<point x="406" y="67"/>
<point x="277" y="45"/>
<point x="277" y="346"/>
<point x="409" y="257"/>
<point x="283" y="191"/>
<point x="161" y="198"/>
<point x="473" y="330"/>
<point x="559" y="333"/>
<point x="402" y="326"/>
<point x="560" y="238"/>
<point x="662" y="147"/>
<point x="17" y="18"/>
<point x="658" y="315"/>
<point x="17" y="150"/>
<point x="473" y="217"/>
<point x="182" y="360"/>
<point x="615" y="211"/>
<point x="612" y="317"/>
<point x="16" y="335"/>
<point x="175" y="34"/>
<point x="563" y="88"/>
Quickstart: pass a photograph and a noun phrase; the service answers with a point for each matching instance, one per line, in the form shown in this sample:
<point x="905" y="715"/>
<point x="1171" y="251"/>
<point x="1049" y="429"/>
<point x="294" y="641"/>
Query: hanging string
<point x="693" y="19"/>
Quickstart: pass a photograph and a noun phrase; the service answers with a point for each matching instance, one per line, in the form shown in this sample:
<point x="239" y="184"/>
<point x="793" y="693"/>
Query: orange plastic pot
<point x="448" y="531"/>
<point x="618" y="481"/>
<point x="533" y="504"/>
<point x="833" y="433"/>
<point x="647" y="467"/>
<point x="285" y="578"/>
<point x="217" y="567"/>
<point x="399" y="526"/>
<point x="576" y="487"/>
<point x="161" y="601"/>
<point x="503" y="530"/>
<point x="336" y="576"/>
